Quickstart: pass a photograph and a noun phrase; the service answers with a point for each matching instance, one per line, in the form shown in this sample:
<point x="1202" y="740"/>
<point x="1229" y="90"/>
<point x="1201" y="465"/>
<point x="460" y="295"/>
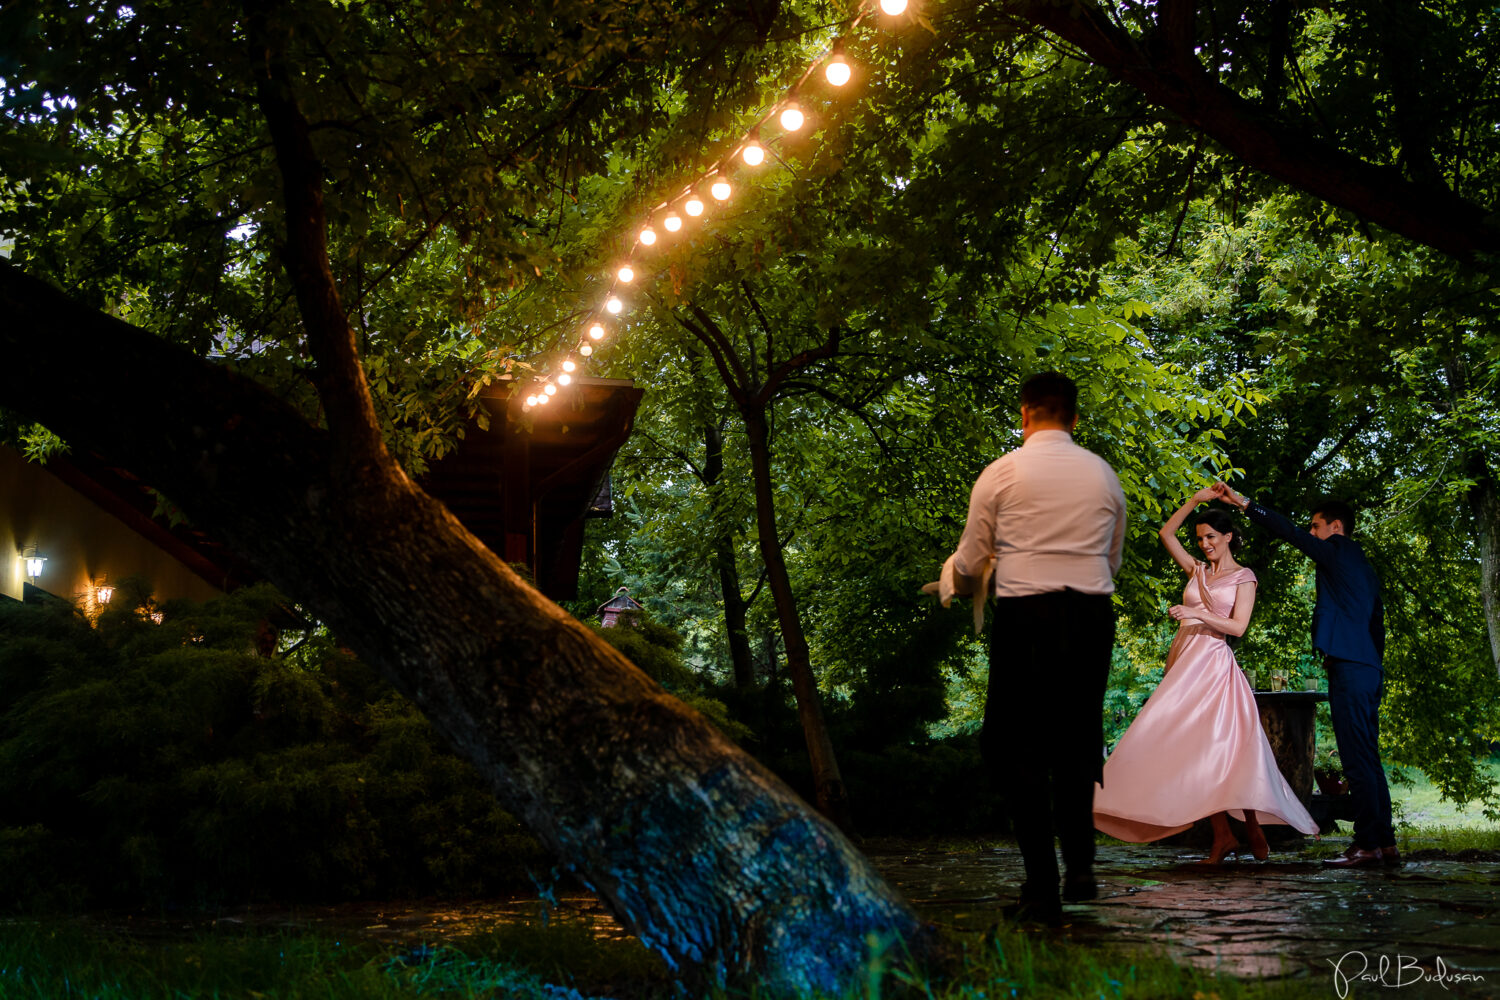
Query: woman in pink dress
<point x="1197" y="749"/>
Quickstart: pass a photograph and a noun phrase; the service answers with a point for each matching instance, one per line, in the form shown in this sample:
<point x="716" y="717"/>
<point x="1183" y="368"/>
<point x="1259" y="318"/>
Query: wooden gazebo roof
<point x="526" y="485"/>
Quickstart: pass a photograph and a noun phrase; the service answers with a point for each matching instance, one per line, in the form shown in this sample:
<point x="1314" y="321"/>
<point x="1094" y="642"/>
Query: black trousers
<point x="1354" y="693"/>
<point x="1043" y="738"/>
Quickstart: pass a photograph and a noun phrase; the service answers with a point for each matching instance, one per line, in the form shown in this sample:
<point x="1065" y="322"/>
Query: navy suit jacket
<point x="1349" y="618"/>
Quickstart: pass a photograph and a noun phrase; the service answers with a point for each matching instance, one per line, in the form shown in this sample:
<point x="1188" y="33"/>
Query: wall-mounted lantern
<point x="34" y="563"/>
<point x="103" y="591"/>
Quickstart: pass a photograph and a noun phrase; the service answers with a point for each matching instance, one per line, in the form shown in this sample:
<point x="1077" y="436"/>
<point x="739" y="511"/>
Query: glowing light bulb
<point x="626" y="274"/>
<point x="754" y="153"/>
<point x="693" y="206"/>
<point x="673" y="223"/>
<point x="586" y="349"/>
<point x="893" y="7"/>
<point x="569" y="365"/>
<point x="648" y="236"/>
<point x="614" y="305"/>
<point x="720" y="190"/>
<point x="564" y="378"/>
<point x="531" y="400"/>
<point x="550" y="389"/>
<point x="544" y="399"/>
<point x="792" y="119"/>
<point x="837" y="71"/>
<point x="597" y="332"/>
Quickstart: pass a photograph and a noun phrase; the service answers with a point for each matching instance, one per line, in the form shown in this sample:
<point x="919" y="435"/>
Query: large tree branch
<point x="1430" y="214"/>
<point x="359" y="450"/>
<point x="796" y="363"/>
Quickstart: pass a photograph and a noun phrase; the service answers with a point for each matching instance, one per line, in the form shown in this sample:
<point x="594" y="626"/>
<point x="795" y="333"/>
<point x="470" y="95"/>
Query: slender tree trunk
<point x="833" y="798"/>
<point x="735" y="605"/>
<point x="621" y="781"/>
<point x="1484" y="501"/>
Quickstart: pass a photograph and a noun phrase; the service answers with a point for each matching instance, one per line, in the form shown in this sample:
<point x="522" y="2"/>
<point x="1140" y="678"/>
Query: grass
<point x="46" y="960"/>
<point x="1419" y="803"/>
<point x="42" y="960"/>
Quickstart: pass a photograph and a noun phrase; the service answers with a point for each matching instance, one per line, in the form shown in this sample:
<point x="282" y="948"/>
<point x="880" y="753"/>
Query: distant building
<point x="621" y="609"/>
<point x="524" y="486"/>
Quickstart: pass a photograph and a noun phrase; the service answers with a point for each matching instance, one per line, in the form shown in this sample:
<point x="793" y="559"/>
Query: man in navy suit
<point x="1349" y="630"/>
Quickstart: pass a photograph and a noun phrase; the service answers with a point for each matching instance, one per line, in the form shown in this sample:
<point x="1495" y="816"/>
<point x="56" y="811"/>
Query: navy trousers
<point x="1043" y="738"/>
<point x="1354" y="693"/>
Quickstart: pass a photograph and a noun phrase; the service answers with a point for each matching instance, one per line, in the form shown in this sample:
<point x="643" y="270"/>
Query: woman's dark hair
<point x="1220" y="521"/>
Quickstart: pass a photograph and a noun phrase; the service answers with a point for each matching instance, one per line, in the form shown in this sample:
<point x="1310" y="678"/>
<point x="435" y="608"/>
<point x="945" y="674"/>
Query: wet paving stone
<point x="1283" y="918"/>
<point x="1429" y="929"/>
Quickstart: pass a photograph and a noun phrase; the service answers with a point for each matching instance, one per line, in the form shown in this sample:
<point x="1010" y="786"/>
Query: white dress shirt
<point x="1050" y="514"/>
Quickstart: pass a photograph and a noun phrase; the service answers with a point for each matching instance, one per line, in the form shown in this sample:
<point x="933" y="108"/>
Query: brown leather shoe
<point x="1390" y="857"/>
<point x="1356" y="857"/>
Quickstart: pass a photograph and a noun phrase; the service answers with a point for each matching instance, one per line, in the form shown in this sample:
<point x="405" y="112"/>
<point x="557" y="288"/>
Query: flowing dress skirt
<point x="1195" y="749"/>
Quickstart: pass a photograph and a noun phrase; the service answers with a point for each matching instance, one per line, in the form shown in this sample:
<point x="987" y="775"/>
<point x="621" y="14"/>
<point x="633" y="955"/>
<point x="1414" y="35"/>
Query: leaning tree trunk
<point x="735" y="605"/>
<point x="699" y="851"/>
<point x="833" y="798"/>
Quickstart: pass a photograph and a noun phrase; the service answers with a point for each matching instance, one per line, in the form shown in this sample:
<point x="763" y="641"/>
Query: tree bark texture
<point x="1484" y="501"/>
<point x="833" y="797"/>
<point x="1169" y="74"/>
<point x="699" y="851"/>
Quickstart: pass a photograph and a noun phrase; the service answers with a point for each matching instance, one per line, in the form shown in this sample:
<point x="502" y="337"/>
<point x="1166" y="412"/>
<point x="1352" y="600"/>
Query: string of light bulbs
<point x="690" y="203"/>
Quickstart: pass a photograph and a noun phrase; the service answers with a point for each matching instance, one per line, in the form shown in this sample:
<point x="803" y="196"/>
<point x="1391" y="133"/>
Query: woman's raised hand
<point x="1205" y="495"/>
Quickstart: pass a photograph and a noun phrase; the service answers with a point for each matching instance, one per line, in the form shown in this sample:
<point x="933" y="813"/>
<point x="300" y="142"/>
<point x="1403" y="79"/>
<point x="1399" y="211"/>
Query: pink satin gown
<point x="1197" y="747"/>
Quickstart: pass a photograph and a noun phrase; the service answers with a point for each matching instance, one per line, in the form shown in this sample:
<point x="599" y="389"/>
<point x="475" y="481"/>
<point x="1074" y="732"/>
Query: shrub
<point x="144" y="762"/>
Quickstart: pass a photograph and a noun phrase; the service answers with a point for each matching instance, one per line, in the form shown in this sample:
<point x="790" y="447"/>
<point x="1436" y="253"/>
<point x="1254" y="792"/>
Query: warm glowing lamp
<point x="792" y="118"/>
<point x="648" y="236"/>
<point x="550" y="389"/>
<point x="103" y="592"/>
<point x="564" y="378"/>
<point x="837" y="71"/>
<point x="531" y="400"/>
<point x="569" y="364"/>
<point x="597" y="332"/>
<point x="893" y="7"/>
<point x="586" y="349"/>
<point x="693" y="206"/>
<point x="720" y="189"/>
<point x="544" y="398"/>
<point x="34" y="565"/>
<point x="754" y="154"/>
<point x="672" y="222"/>
<point x="614" y="305"/>
<point x="626" y="274"/>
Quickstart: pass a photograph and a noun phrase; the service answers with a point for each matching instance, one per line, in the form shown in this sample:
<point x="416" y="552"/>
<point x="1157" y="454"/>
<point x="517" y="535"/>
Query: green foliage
<point x="155" y="762"/>
<point x="656" y="649"/>
<point x="979" y="205"/>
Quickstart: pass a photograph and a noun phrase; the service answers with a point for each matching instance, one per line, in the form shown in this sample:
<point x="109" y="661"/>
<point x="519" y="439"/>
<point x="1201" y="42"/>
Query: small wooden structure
<point x="526" y="485"/>
<point x="620" y="609"/>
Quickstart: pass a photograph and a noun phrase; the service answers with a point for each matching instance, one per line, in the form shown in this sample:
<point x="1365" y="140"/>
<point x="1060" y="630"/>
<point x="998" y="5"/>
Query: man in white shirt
<point x="1051" y="517"/>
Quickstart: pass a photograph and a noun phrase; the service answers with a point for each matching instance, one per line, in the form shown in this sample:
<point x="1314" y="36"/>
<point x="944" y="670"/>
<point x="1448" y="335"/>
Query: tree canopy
<point x="1259" y="235"/>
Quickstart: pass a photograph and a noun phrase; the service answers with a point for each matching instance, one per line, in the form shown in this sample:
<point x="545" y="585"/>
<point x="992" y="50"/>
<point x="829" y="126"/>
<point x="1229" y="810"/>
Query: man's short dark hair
<point x="1336" y="510"/>
<point x="1051" y="396"/>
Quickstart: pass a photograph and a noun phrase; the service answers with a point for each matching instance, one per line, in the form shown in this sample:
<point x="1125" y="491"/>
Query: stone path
<point x="1284" y="917"/>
